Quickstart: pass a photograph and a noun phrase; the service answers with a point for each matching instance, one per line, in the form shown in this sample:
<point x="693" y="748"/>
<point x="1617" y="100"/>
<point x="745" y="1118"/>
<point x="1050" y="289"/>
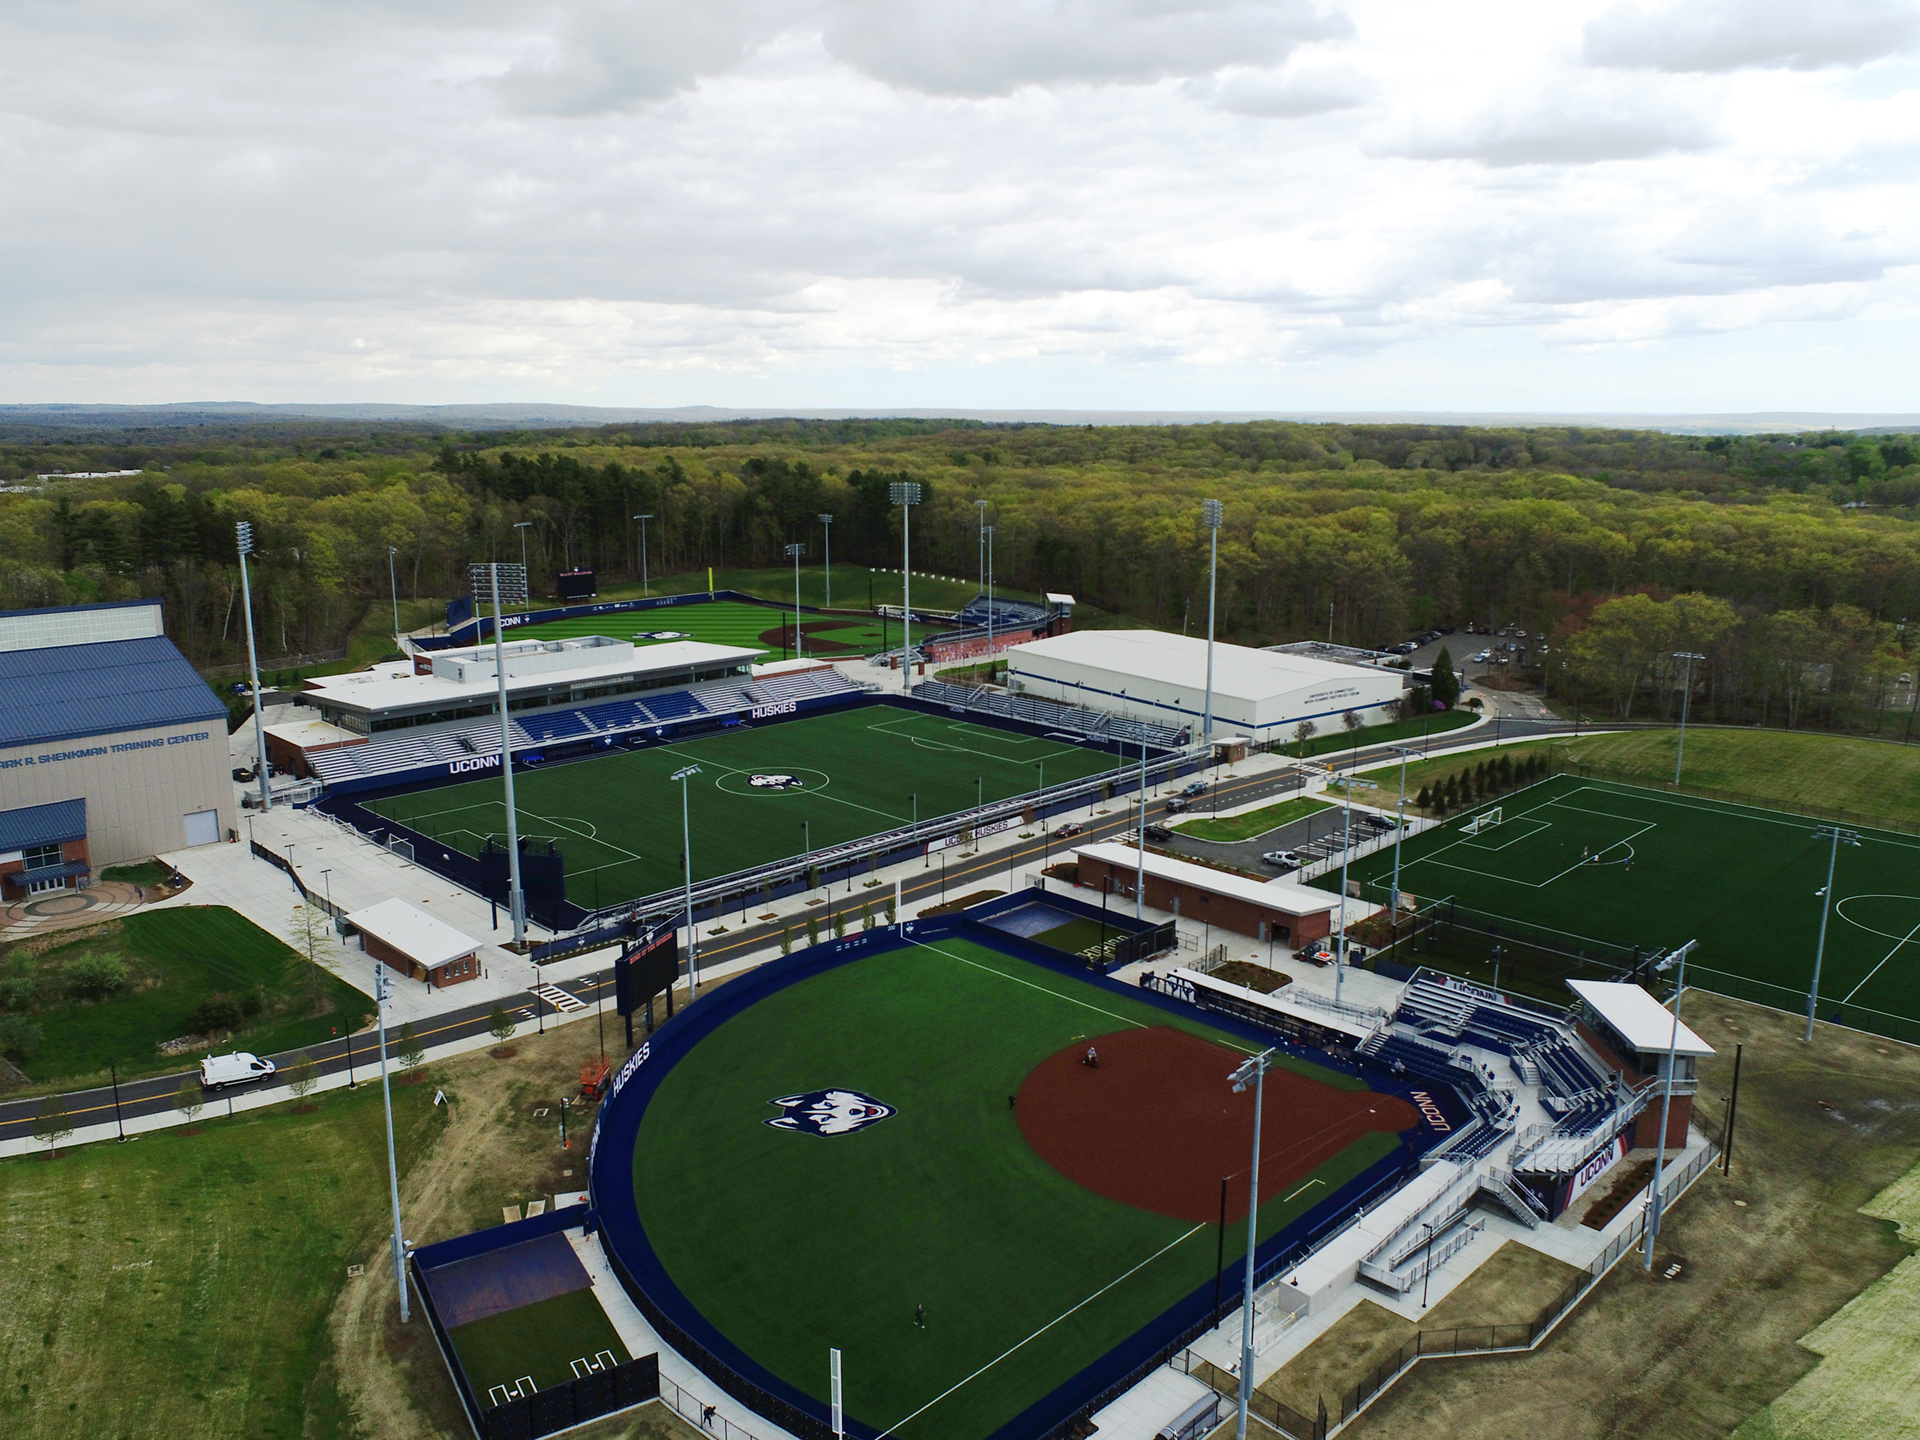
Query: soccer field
<point x="731" y="622"/>
<point x="787" y="1240"/>
<point x="1625" y="866"/>
<point x="616" y="818"/>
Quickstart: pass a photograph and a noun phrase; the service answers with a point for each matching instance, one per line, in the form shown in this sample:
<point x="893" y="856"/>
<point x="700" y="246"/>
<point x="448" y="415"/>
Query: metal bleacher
<point x="1094" y="723"/>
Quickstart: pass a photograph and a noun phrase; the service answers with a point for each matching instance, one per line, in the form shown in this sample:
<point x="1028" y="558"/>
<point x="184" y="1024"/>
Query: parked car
<point x="1159" y="832"/>
<point x="1198" y="787"/>
<point x="1379" y="822"/>
<point x="1322" y="958"/>
<point x="1067" y="831"/>
<point x="219" y="1071"/>
<point x="1483" y="657"/>
<point x="1176" y="804"/>
<point x="1284" y="859"/>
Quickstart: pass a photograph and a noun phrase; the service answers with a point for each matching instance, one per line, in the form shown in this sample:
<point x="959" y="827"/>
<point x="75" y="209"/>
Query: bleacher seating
<point x="1419" y="1056"/>
<point x="1050" y="714"/>
<point x="674" y="706"/>
<point x="1502" y="1028"/>
<point x="1433" y="1008"/>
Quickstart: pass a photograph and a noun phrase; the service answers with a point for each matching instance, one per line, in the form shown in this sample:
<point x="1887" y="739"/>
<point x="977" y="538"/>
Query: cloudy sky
<point x="1204" y="204"/>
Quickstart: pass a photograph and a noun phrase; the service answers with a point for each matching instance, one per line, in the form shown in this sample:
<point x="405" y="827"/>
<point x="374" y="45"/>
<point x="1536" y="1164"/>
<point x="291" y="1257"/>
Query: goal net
<point x="1485" y="820"/>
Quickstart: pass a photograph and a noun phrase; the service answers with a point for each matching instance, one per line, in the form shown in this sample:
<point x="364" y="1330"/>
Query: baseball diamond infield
<point x="869" y="1146"/>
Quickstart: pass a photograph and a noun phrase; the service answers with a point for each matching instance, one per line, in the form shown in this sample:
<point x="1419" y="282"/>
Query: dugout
<point x="417" y="944"/>
<point x="1293" y="915"/>
<point x="1632" y="1031"/>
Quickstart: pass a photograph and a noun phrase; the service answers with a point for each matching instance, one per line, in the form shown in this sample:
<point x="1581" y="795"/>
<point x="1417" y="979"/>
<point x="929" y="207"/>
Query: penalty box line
<point x="1900" y="945"/>
<point x="1064" y="1314"/>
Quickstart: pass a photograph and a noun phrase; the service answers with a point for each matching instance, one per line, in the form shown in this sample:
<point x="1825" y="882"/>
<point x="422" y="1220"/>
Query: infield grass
<point x="733" y="622"/>
<point x="1624" y="865"/>
<point x="790" y="1242"/>
<point x="617" y="818"/>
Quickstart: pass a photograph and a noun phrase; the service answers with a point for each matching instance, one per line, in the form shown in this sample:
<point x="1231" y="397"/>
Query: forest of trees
<point x="1789" y="561"/>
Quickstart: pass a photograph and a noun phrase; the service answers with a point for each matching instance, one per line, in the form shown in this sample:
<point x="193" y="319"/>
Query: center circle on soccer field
<point x="850" y="1144"/>
<point x="1893" y="917"/>
<point x="741" y="782"/>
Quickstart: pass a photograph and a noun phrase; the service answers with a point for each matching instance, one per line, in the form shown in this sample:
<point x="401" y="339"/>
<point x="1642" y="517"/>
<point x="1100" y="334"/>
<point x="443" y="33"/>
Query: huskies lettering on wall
<point x="828" y="1112"/>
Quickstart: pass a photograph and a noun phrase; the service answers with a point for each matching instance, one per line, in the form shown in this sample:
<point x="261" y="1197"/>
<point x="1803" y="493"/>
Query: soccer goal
<point x="1485" y="820"/>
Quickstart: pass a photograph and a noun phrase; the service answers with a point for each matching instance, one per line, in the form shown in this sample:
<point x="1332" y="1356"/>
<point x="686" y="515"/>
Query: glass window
<point x="39" y="857"/>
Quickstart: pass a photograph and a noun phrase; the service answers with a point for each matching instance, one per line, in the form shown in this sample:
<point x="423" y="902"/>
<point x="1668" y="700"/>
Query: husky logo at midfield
<point x="828" y="1112"/>
<point x="774" y="782"/>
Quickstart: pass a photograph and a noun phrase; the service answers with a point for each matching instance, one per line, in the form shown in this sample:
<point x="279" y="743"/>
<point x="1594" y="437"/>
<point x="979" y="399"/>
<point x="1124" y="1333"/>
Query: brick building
<point x="1293" y="915"/>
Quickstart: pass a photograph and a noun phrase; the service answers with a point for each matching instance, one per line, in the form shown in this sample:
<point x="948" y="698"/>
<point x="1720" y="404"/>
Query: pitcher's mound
<point x="1158" y="1126"/>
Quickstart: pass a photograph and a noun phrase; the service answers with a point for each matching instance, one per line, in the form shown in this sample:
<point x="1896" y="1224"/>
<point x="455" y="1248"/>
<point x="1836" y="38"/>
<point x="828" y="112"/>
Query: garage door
<point x="203" y="827"/>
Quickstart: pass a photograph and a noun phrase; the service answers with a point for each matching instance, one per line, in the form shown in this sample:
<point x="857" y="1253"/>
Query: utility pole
<point x="1686" y="658"/>
<point x="1654" y="1207"/>
<point x="826" y="559"/>
<point x="646" y="590"/>
<point x="1210" y="515"/>
<point x="1839" y="837"/>
<point x="381" y="989"/>
<point x="393" y="579"/>
<point x="906" y="494"/>
<point x="243" y="535"/>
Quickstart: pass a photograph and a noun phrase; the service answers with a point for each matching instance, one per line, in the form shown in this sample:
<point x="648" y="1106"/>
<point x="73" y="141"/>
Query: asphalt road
<point x="1002" y="869"/>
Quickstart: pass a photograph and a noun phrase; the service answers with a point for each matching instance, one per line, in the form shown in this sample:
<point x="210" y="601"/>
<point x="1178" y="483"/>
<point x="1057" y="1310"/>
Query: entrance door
<point x="203" y="827"/>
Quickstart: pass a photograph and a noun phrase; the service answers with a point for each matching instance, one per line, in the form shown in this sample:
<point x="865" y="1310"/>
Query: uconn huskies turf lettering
<point x="828" y="1112"/>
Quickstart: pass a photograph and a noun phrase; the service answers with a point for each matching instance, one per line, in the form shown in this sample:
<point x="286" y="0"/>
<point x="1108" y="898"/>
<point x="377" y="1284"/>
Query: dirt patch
<point x="1253" y="977"/>
<point x="1626" y="1187"/>
<point x="1770" y="1252"/>
<point x="816" y="633"/>
<point x="1156" y="1125"/>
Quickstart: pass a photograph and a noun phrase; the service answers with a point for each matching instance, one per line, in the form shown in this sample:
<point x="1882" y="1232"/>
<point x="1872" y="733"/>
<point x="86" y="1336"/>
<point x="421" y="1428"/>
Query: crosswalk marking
<point x="559" y="999"/>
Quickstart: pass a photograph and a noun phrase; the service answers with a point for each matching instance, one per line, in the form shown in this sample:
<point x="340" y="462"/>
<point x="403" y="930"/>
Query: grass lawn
<point x="617" y="818"/>
<point x="1254" y="822"/>
<point x="1868" y="777"/>
<point x="180" y="1284"/>
<point x="1336" y="739"/>
<point x="1026" y="1276"/>
<point x="732" y="622"/>
<point x="1623" y="865"/>
<point x="171" y="961"/>
<point x="142" y="872"/>
<point x="541" y="1340"/>
<point x="854" y="587"/>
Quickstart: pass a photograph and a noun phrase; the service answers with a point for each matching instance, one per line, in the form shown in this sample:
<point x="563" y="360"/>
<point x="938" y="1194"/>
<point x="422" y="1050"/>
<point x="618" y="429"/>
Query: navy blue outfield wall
<point x="680" y="1323"/>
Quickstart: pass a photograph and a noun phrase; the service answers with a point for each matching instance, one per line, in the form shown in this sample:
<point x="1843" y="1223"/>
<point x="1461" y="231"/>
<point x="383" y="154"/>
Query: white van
<point x="219" y="1071"/>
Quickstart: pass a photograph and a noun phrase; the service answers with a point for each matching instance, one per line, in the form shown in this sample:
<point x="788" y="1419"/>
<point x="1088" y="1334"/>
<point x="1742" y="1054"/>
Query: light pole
<point x="826" y="558"/>
<point x="646" y="589"/>
<point x="1686" y="658"/>
<point x="516" y="897"/>
<point x="1678" y="957"/>
<point x="393" y="579"/>
<point x="243" y="536"/>
<point x="1346" y="852"/>
<point x="906" y="494"/>
<point x="1839" y="837"/>
<point x="684" y="775"/>
<point x="1393" y="912"/>
<point x="526" y="601"/>
<point x="989" y="534"/>
<point x="1252" y="1071"/>
<point x="381" y="986"/>
<point x="1210" y="516"/>
<point x="1140" y="847"/>
<point x="795" y="552"/>
<point x="981" y="505"/>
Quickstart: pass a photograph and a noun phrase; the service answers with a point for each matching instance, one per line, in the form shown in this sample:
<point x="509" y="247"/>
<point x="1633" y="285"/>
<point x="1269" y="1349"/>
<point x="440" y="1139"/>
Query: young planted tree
<point x="1302" y="733"/>
<point x="839" y="924"/>
<point x="786" y="939"/>
<point x="813" y="929"/>
<point x="1354" y="725"/>
<point x="500" y="1025"/>
<point x="866" y="915"/>
<point x="302" y="1076"/>
<point x="189" y="1099"/>
<point x="412" y="1052"/>
<point x="51" y="1124"/>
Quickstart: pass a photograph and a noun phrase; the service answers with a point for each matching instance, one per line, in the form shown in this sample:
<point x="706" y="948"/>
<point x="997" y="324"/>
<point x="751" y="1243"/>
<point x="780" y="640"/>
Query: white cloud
<point x="1696" y="35"/>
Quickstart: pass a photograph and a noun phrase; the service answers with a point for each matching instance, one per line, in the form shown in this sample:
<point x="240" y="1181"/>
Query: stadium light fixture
<point x="1399" y="834"/>
<point x="987" y="532"/>
<point x="522" y="526"/>
<point x="243" y="537"/>
<point x="826" y="558"/>
<point x="516" y="895"/>
<point x="393" y="579"/>
<point x="684" y="775"/>
<point x="1140" y="851"/>
<point x="382" y="992"/>
<point x="1252" y="1071"/>
<point x="1211" y="514"/>
<point x="1686" y="658"/>
<point x="981" y="506"/>
<point x="1678" y="957"/>
<point x="646" y="588"/>
<point x="794" y="552"/>
<point x="905" y="494"/>
<point x="1838" y="837"/>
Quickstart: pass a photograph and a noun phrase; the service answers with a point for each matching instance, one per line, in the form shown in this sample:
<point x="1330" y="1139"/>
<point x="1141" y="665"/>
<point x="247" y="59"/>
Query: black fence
<point x="1587" y="770"/>
<point x="583" y="1398"/>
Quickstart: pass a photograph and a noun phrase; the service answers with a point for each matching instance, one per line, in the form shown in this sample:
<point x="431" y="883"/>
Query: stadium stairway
<point x="1433" y="1007"/>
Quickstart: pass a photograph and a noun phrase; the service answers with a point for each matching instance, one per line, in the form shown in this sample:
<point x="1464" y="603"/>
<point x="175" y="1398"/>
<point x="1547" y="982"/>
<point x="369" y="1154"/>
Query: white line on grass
<point x="1883" y="960"/>
<point x="1303" y="1189"/>
<point x="704" y="761"/>
<point x="1179" y="1239"/>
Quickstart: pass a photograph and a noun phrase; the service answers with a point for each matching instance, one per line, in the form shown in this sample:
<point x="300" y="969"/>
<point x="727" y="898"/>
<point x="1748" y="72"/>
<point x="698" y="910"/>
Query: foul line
<point x="1178" y="1239"/>
<point x="1883" y="960"/>
<point x="1303" y="1189"/>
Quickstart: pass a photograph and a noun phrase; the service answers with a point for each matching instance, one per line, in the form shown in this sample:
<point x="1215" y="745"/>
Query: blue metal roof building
<point x="53" y="824"/>
<point x="68" y="692"/>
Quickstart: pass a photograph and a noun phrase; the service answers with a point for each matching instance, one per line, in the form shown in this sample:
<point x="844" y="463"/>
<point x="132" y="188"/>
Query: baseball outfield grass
<point x="859" y="772"/>
<point x="733" y="622"/>
<point x="793" y="1242"/>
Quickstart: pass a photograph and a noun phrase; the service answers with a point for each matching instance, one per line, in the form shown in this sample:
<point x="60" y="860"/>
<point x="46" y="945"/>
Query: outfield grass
<point x="732" y="622"/>
<point x="1626" y="866"/>
<point x="173" y="960"/>
<point x="180" y="1284"/>
<point x="541" y="1340"/>
<point x="854" y="587"/>
<point x="1026" y="1276"/>
<point x="1254" y="822"/>
<point x="617" y="818"/>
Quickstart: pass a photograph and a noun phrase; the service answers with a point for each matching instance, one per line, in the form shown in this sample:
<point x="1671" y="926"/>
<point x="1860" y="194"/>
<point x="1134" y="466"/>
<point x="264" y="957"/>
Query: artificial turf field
<point x="790" y="1242"/>
<point x="540" y="1342"/>
<point x="1626" y="865"/>
<point x="731" y="622"/>
<point x="616" y="818"/>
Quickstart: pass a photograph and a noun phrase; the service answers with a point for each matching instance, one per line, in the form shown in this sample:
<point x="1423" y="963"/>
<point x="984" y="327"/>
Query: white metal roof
<point x="1282" y="1003"/>
<point x="394" y="686"/>
<point x="1637" y="1018"/>
<point x="414" y="933"/>
<point x="1282" y="895"/>
<point x="1239" y="671"/>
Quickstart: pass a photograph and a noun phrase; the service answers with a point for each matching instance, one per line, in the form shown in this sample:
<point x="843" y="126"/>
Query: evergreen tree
<point x="1424" y="800"/>
<point x="1446" y="684"/>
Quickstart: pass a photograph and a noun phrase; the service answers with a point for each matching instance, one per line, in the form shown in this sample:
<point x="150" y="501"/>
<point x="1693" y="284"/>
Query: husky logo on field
<point x="774" y="782"/>
<point x="828" y="1112"/>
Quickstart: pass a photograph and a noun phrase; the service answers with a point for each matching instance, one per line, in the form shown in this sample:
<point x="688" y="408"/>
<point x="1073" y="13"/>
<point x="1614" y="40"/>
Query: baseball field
<point x="1624" y="865"/>
<point x="951" y="1196"/>
<point x="763" y="793"/>
<point x="733" y="622"/>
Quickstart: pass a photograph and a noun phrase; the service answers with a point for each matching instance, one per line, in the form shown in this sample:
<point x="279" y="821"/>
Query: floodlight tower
<point x="382" y="987"/>
<point x="981" y="506"/>
<point x="522" y="526"/>
<point x="1252" y="1071"/>
<point x="516" y="897"/>
<point x="989" y="534"/>
<point x="906" y="494"/>
<point x="1686" y="658"/>
<point x="826" y="558"/>
<point x="1210" y="516"/>
<point x="646" y="589"/>
<point x="794" y="552"/>
<point x="1678" y="957"/>
<point x="393" y="579"/>
<point x="1839" y="837"/>
<point x="686" y="840"/>
<point x="243" y="536"/>
<point x="1393" y="912"/>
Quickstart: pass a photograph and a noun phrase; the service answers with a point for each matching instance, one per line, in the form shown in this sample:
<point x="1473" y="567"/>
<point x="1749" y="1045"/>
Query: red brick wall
<point x="1646" y="1129"/>
<point x="457" y="972"/>
<point x="1223" y="912"/>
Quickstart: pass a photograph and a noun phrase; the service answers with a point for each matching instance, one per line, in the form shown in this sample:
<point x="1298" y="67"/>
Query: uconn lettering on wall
<point x="1435" y="1116"/>
<point x="473" y="762"/>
